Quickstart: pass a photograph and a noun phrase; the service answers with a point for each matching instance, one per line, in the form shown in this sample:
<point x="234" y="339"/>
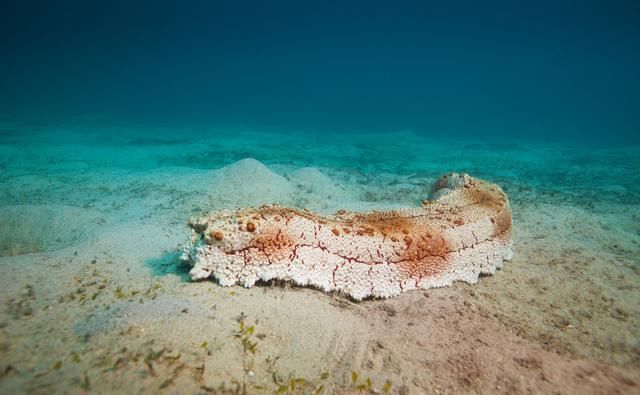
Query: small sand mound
<point x="315" y="181"/>
<point x="26" y="229"/>
<point x="317" y="191"/>
<point x="249" y="182"/>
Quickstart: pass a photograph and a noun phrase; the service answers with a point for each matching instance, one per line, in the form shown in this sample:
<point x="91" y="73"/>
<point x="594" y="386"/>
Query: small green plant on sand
<point x="249" y="341"/>
<point x="292" y="384"/>
<point x="118" y="293"/>
<point x="245" y="334"/>
<point x="366" y="385"/>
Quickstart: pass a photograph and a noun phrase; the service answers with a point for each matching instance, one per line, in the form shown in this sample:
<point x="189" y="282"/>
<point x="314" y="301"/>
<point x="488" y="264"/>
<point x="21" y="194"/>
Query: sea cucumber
<point x="462" y="232"/>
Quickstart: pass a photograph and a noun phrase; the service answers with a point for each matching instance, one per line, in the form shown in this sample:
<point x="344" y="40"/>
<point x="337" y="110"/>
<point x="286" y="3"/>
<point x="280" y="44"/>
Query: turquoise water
<point x="78" y="166"/>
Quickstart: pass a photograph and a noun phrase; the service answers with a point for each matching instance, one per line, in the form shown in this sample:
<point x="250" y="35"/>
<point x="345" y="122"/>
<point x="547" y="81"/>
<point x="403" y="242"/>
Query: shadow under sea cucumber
<point x="462" y="232"/>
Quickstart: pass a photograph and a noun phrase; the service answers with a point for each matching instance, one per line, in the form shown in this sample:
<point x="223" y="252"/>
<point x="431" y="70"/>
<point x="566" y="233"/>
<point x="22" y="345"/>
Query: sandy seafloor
<point x="95" y="300"/>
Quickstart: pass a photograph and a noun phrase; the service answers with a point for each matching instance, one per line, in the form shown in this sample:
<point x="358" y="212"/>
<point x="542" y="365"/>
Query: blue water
<point x="542" y="70"/>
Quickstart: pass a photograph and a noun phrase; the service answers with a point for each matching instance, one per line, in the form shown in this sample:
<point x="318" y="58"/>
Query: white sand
<point x="110" y="309"/>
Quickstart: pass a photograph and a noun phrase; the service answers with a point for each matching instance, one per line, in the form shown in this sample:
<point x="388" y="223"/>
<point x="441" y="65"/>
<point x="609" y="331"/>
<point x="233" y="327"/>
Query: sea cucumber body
<point x="463" y="232"/>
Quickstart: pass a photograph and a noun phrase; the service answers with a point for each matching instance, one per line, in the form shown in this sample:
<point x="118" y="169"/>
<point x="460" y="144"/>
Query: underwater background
<point x="121" y="120"/>
<point x="502" y="70"/>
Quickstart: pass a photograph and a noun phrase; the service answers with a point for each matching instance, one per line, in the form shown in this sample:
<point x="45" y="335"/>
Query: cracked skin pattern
<point x="465" y="230"/>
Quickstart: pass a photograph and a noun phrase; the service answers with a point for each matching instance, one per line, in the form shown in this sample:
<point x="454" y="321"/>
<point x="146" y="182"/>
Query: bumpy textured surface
<point x="465" y="230"/>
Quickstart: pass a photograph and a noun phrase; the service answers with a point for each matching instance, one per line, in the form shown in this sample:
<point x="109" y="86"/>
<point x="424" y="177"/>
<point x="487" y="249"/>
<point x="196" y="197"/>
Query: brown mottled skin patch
<point x="272" y="239"/>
